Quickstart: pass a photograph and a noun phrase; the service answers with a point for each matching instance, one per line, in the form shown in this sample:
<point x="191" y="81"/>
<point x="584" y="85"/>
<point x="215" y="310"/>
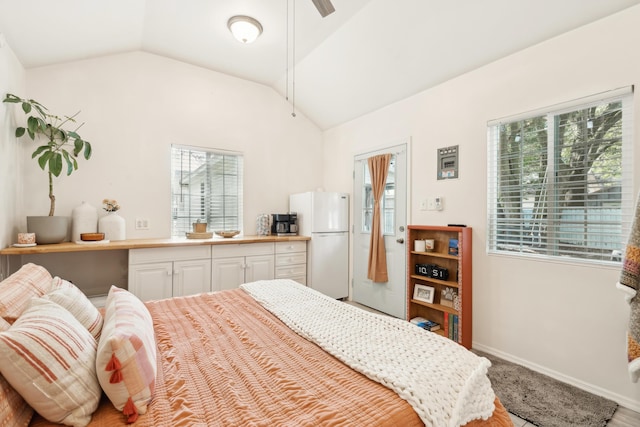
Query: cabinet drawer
<point x="300" y="279"/>
<point x="248" y="249"/>
<point x="286" y="247"/>
<point x="145" y="255"/>
<point x="290" y="271"/>
<point x="290" y="259"/>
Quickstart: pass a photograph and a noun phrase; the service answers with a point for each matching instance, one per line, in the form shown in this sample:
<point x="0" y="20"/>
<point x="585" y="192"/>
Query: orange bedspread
<point x="226" y="361"/>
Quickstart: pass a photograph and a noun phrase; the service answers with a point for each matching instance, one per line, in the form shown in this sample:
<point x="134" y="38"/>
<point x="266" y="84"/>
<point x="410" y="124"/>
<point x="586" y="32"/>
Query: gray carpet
<point x="544" y="401"/>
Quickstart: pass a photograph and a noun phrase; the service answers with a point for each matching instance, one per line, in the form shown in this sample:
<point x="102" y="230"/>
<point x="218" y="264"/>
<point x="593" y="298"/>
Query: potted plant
<point x="60" y="150"/>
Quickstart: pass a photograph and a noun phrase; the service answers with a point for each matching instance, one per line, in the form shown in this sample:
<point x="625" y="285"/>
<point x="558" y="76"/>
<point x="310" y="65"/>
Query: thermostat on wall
<point x="448" y="162"/>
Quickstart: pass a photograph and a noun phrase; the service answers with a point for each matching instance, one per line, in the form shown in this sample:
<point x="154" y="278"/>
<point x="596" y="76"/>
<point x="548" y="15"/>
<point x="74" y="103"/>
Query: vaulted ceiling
<point x="365" y="55"/>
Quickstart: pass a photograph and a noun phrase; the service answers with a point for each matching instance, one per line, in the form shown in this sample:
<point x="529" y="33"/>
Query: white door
<point x="388" y="297"/>
<point x="259" y="267"/>
<point x="330" y="212"/>
<point x="329" y="264"/>
<point x="151" y="281"/>
<point x="227" y="273"/>
<point x="191" y="277"/>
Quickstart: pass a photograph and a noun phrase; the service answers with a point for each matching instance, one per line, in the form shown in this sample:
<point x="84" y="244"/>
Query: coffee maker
<point x="284" y="224"/>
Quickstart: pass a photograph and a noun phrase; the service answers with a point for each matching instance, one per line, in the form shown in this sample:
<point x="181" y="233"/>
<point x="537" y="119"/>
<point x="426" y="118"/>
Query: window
<point x="559" y="181"/>
<point x="387" y="208"/>
<point x="206" y="185"/>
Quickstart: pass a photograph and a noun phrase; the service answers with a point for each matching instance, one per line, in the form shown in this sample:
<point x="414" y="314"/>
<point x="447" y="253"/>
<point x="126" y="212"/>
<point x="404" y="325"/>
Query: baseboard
<point x="619" y="399"/>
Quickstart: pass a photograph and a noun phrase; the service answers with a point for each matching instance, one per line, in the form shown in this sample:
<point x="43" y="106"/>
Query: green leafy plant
<point x="63" y="146"/>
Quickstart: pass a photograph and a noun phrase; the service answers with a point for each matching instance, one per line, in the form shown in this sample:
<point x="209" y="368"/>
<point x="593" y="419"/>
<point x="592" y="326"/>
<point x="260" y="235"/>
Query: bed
<point x="247" y="357"/>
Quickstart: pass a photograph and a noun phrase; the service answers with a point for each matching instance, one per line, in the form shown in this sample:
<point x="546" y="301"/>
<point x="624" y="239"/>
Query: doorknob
<point x="400" y="240"/>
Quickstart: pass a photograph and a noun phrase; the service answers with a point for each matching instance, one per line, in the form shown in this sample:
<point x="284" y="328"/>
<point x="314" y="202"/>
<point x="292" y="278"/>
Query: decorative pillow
<point x="126" y="361"/>
<point x="17" y="290"/>
<point x="14" y="411"/>
<point x="67" y="295"/>
<point x="49" y="358"/>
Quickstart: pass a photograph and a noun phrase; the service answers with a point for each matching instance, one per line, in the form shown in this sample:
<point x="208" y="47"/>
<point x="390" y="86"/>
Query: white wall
<point x="136" y="105"/>
<point x="566" y="320"/>
<point x="12" y="80"/>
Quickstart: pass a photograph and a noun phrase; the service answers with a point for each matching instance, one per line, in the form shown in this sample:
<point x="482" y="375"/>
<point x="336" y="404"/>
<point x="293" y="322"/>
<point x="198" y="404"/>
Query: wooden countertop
<point x="145" y="243"/>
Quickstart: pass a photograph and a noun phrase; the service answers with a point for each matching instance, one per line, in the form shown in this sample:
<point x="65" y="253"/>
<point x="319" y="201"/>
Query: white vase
<point x="262" y="225"/>
<point x="113" y="226"/>
<point x="84" y="219"/>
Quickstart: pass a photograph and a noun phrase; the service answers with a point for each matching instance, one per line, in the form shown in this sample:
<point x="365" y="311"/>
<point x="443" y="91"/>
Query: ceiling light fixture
<point x="244" y="28"/>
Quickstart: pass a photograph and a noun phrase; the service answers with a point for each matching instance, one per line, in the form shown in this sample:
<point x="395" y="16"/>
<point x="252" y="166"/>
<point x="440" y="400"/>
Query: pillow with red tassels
<point x="126" y="360"/>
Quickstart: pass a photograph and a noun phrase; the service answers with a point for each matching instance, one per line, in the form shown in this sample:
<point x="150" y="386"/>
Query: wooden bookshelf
<point x="459" y="268"/>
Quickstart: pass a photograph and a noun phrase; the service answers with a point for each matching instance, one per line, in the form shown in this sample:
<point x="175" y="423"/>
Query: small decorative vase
<point x="262" y="225"/>
<point x="456" y="302"/>
<point x="113" y="226"/>
<point x="84" y="219"/>
<point x="199" y="227"/>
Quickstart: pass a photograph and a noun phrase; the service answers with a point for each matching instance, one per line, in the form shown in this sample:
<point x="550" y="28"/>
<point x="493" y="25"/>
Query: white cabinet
<point x="151" y="281"/>
<point x="235" y="264"/>
<point x="156" y="273"/>
<point x="291" y="261"/>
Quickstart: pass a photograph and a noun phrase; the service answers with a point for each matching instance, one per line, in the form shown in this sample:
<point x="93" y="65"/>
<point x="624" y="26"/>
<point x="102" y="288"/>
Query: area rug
<point x="544" y="401"/>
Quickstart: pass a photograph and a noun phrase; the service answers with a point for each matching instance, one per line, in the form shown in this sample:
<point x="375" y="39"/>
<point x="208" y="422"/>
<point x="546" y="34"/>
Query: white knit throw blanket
<point x="445" y="383"/>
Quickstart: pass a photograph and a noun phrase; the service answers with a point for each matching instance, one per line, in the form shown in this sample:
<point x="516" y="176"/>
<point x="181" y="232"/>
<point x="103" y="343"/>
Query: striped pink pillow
<point x="49" y="358"/>
<point x="14" y="411"/>
<point x="67" y="295"/>
<point x="126" y="361"/>
<point x="17" y="290"/>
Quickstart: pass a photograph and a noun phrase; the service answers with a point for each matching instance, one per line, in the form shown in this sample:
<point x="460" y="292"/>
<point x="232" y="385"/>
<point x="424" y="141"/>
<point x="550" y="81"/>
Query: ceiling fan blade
<point x="324" y="7"/>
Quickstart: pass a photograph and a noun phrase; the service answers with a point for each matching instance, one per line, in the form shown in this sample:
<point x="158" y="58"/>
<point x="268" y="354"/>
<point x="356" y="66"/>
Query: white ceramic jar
<point x="84" y="219"/>
<point x="113" y="226"/>
<point x="262" y="225"/>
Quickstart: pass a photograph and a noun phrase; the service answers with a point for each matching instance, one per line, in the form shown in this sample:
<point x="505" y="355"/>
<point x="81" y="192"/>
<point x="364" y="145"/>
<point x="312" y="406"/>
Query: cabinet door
<point x="259" y="268"/>
<point x="191" y="277"/>
<point x="151" y="281"/>
<point x="227" y="273"/>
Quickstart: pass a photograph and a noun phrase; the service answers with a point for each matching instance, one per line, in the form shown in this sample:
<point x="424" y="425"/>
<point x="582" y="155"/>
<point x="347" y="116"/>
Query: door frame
<point x="407" y="142"/>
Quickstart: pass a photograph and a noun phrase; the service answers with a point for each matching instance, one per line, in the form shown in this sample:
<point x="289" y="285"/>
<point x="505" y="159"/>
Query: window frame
<point x="202" y="204"/>
<point x="387" y="205"/>
<point x="494" y="225"/>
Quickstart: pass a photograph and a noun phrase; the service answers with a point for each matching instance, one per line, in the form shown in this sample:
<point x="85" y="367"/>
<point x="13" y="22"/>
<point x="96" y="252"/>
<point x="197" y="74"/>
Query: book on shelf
<point x="431" y="326"/>
<point x="427" y="324"/>
<point x="453" y="246"/>
<point x="452" y="327"/>
<point x="455" y="328"/>
<point x="446" y="323"/>
<point x="418" y="320"/>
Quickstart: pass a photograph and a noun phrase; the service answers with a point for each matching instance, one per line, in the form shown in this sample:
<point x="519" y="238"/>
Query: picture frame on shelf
<point x="448" y="296"/>
<point x="423" y="293"/>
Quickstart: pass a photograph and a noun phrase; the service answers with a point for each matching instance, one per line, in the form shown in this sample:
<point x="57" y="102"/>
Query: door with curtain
<point x="389" y="296"/>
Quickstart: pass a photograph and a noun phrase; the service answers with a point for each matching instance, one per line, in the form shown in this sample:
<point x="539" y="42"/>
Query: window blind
<point x="206" y="185"/>
<point x="560" y="180"/>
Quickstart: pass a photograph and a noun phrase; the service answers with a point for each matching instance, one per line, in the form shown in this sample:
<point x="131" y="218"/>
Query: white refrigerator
<point x="324" y="216"/>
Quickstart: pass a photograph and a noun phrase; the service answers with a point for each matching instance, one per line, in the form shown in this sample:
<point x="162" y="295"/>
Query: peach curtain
<point x="378" y="168"/>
